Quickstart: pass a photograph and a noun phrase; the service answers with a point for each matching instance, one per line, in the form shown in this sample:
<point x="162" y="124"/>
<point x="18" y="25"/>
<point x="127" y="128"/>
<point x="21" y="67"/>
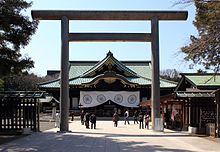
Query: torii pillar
<point x="66" y="37"/>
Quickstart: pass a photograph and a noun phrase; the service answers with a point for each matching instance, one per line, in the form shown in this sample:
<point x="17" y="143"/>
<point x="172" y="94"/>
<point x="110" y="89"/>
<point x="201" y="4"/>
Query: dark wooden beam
<point x="217" y="100"/>
<point x="110" y="37"/>
<point x="108" y="15"/>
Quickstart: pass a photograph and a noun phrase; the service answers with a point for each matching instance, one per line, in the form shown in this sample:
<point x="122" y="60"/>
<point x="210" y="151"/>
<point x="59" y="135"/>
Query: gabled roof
<point x="110" y="60"/>
<point x="210" y="79"/>
<point x="135" y="72"/>
<point x="79" y="81"/>
<point x="204" y="80"/>
<point x="111" y="75"/>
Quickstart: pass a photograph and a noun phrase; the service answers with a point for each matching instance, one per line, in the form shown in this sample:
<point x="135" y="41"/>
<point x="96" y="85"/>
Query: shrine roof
<point x="135" y="72"/>
<point x="205" y="79"/>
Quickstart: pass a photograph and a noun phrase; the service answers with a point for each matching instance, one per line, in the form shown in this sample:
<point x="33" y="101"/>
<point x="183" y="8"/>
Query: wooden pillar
<point x="217" y="99"/>
<point x="190" y="112"/>
<point x="155" y="86"/>
<point x="187" y="113"/>
<point x="217" y="121"/>
<point x="64" y="83"/>
<point x="183" y="114"/>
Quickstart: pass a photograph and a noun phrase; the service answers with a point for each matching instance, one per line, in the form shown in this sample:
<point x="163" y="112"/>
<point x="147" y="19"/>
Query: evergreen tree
<point x="15" y="33"/>
<point x="204" y="49"/>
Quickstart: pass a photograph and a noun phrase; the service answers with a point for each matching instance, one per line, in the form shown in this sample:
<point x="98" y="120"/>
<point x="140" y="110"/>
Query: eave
<point x="110" y="76"/>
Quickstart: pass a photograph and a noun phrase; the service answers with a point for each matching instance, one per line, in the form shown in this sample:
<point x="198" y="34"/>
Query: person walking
<point x="126" y="117"/>
<point x="72" y="116"/>
<point x="57" y="122"/>
<point x="147" y="120"/>
<point x="82" y="114"/>
<point x="141" y="119"/>
<point x="93" y="121"/>
<point x="119" y="112"/>
<point x="86" y="118"/>
<point x="135" y="116"/>
<point x="115" y="119"/>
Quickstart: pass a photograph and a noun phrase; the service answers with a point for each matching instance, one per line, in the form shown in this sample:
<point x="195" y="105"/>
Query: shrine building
<point x="108" y="85"/>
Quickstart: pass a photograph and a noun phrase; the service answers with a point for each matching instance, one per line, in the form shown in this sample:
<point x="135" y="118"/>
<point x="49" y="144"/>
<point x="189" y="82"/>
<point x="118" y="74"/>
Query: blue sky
<point x="45" y="46"/>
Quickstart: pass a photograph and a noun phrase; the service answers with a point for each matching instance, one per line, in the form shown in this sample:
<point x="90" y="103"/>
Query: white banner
<point x="95" y="98"/>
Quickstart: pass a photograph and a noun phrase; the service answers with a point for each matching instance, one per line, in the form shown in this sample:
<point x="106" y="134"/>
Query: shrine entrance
<point x="153" y="37"/>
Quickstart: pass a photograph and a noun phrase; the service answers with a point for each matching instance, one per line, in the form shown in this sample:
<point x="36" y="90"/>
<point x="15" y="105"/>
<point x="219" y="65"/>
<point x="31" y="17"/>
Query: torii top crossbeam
<point x="108" y="15"/>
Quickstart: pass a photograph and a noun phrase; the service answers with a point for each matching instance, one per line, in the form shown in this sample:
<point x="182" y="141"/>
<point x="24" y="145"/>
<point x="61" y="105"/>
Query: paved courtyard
<point x="107" y="138"/>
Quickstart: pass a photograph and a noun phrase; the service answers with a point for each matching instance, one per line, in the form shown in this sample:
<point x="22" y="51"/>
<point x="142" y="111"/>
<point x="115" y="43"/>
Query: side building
<point x="108" y="85"/>
<point x="197" y="93"/>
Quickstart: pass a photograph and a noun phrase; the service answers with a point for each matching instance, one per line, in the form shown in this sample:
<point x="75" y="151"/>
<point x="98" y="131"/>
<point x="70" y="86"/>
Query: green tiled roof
<point x="109" y="59"/>
<point x="204" y="79"/>
<point x="140" y="81"/>
<point x="167" y="84"/>
<point x="141" y="70"/>
<point x="78" y="70"/>
<point x="79" y="81"/>
<point x="50" y="84"/>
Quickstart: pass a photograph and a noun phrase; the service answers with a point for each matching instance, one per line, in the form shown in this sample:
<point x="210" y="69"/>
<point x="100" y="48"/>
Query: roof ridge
<point x="109" y="56"/>
<point x="123" y="61"/>
<point x="204" y="79"/>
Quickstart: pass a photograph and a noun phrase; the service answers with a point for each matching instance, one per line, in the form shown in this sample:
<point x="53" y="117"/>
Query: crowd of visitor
<point x="139" y="117"/>
<point x="86" y="118"/>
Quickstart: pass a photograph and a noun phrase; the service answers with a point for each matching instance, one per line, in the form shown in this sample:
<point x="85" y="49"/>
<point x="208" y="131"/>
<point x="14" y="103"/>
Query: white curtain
<point x="95" y="98"/>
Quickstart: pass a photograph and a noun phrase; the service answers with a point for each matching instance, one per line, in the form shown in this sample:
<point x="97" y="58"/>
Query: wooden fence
<point x="17" y="113"/>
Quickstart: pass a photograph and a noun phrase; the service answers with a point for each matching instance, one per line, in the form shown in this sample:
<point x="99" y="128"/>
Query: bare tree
<point x="204" y="49"/>
<point x="170" y="74"/>
<point x="24" y="82"/>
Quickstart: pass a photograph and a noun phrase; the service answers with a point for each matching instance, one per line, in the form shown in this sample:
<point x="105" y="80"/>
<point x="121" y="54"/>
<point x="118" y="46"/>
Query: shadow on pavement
<point x="132" y="135"/>
<point x="59" y="142"/>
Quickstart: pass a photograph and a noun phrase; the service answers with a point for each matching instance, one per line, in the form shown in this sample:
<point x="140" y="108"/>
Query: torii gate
<point x="66" y="37"/>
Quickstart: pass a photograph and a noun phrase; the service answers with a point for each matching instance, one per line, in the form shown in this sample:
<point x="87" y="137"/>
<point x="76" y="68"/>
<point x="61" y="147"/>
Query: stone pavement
<point x="107" y="138"/>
